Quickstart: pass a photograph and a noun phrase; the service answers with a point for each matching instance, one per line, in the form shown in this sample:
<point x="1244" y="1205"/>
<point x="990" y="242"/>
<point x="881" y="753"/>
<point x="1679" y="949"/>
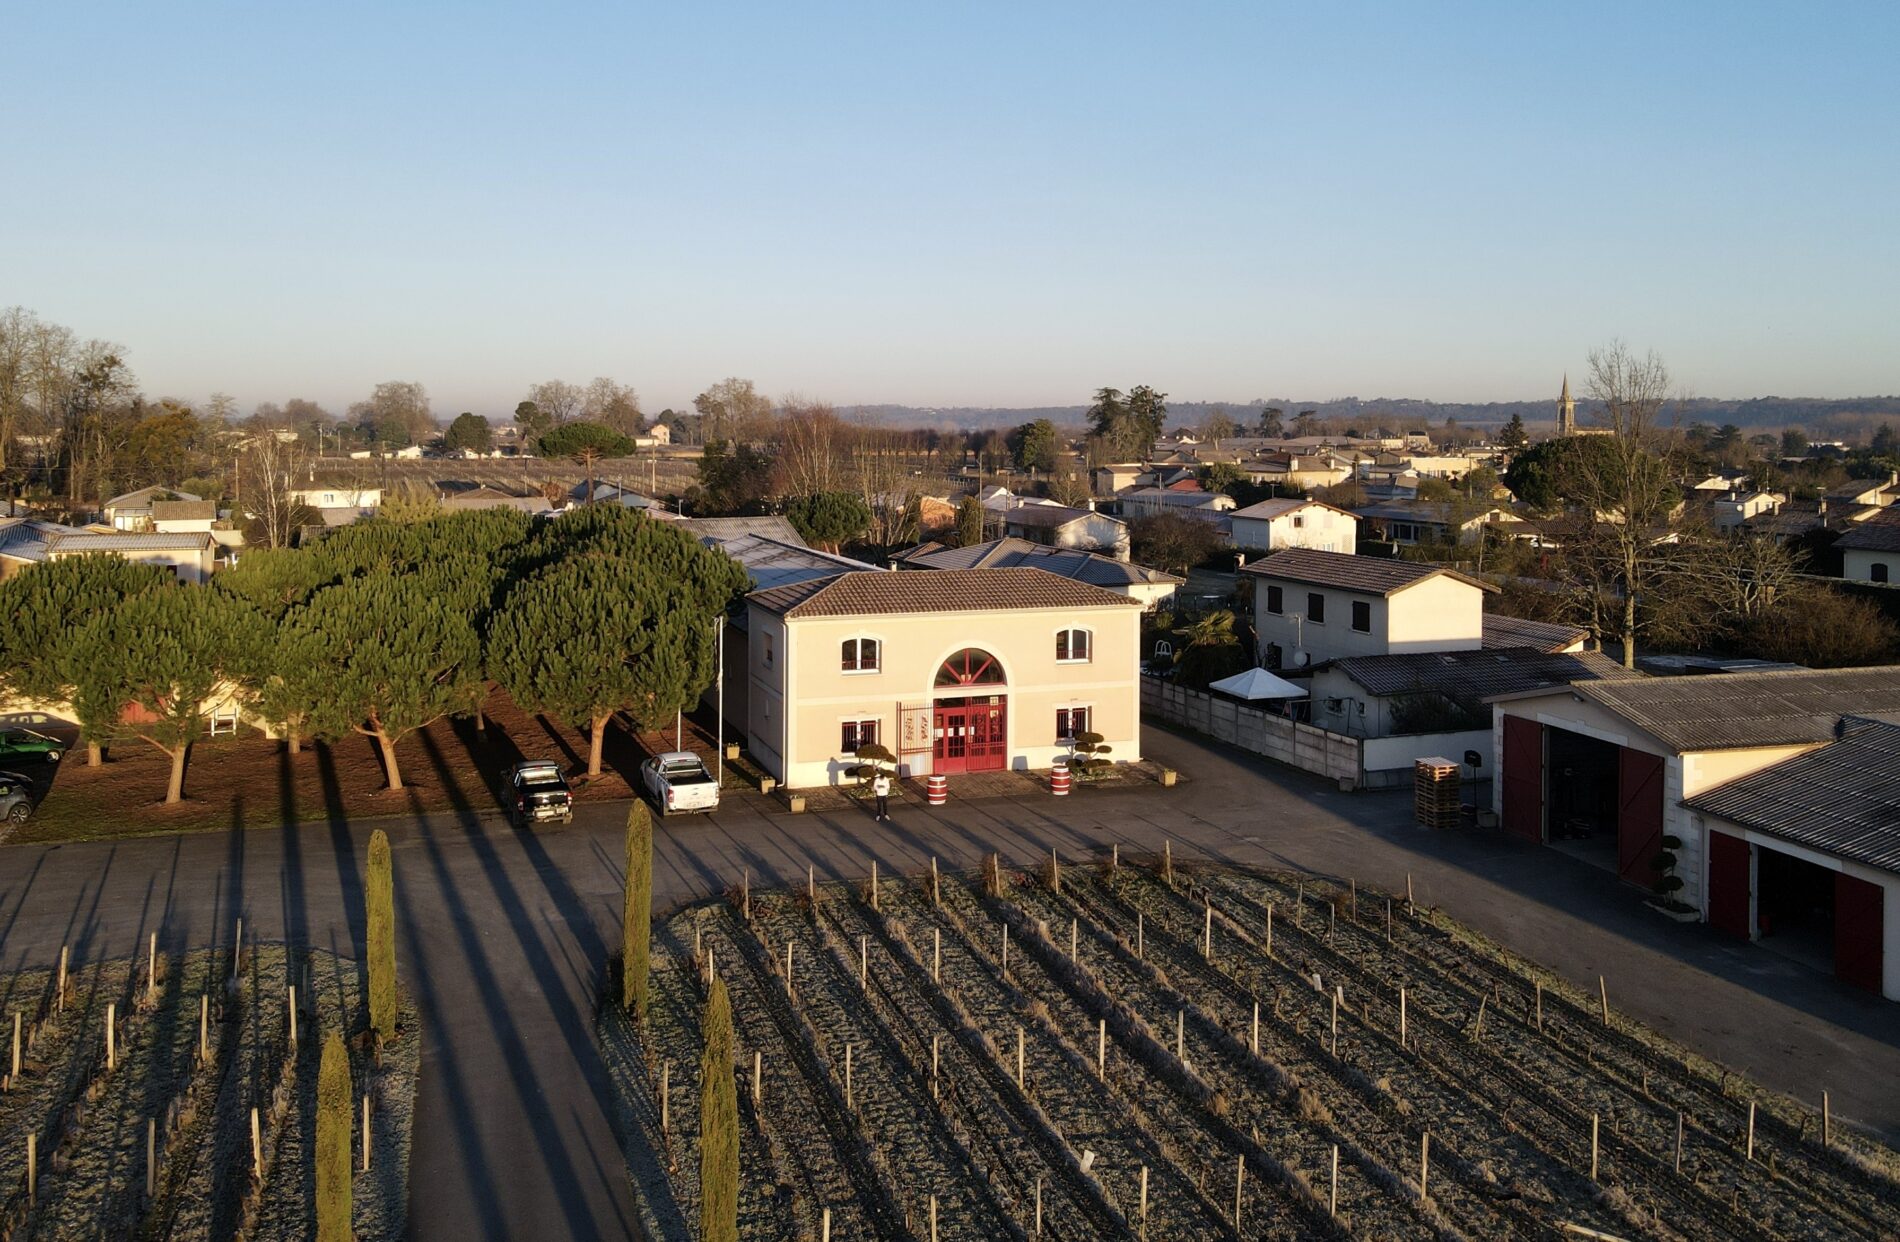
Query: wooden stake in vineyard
<point x="1167" y="863"/>
<point x="1594" y="1120"/>
<point x="1269" y="931"/>
<point x="151" y="968"/>
<point x="1207" y="932"/>
<point x="1603" y="990"/>
<point x="1072" y="941"/>
<point x="864" y="964"/>
<point x="61" y="998"/>
<point x="936" y="895"/>
<point x="848" y="1050"/>
<point x="257" y="1147"/>
<point x="1101" y="1047"/>
<point x="1332" y="1199"/>
<point x="293" y="1016"/>
<point x="14" y="1077"/>
<point x="824" y="1226"/>
<point x="745" y="894"/>
<point x="1140" y="949"/>
<point x="1424" y="1163"/>
<point x="1401" y="1017"/>
<point x="1006" y="950"/>
<point x="666" y="1100"/>
<point x="111" y="1021"/>
<point x="1750" y="1154"/>
<point x="1678" y="1142"/>
<point x="204" y="1026"/>
<point x="1038" y="1232"/>
<point x="1255" y="1043"/>
<point x="874" y="884"/>
<point x="151" y="1158"/>
<point x="1055" y="871"/>
<point x="1540" y="1006"/>
<point x="1021" y="1080"/>
<point x="933" y="1066"/>
<point x="936" y="955"/>
<point x="1144" y="1200"/>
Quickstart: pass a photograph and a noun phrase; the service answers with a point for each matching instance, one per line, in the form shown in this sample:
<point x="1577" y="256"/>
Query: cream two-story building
<point x="953" y="671"/>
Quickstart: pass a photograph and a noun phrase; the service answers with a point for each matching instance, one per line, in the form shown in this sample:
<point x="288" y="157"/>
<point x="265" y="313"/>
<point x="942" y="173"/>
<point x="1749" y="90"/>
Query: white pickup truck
<point x="679" y="781"/>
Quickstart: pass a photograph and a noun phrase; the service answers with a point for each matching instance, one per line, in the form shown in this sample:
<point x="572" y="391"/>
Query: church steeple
<point x="1566" y="411"/>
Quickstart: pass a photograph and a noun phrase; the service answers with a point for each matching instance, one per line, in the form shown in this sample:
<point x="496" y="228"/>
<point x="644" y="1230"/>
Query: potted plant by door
<point x="1667" y="884"/>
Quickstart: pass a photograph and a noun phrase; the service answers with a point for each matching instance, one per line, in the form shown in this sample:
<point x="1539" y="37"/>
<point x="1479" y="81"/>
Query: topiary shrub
<point x="333" y="1142"/>
<point x="636" y="916"/>
<point x="1088" y="755"/>
<point x="380" y="905"/>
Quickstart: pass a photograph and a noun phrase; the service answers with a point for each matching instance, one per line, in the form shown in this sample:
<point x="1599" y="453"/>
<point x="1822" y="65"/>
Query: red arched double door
<point x="970" y="725"/>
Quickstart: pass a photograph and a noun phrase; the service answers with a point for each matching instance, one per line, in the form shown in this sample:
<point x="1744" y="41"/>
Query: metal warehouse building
<point x="1783" y="788"/>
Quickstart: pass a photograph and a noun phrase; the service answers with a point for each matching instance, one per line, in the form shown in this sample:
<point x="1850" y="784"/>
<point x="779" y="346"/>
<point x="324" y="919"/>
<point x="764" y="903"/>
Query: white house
<point x="1290" y="523"/>
<point x="365" y="500"/>
<point x="1147" y="500"/>
<point x="1059" y="526"/>
<point x="1870" y="550"/>
<point x="183" y="517"/>
<point x="1312" y="606"/>
<point x="133" y="510"/>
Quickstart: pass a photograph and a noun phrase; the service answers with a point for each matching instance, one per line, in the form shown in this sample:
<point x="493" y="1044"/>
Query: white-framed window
<point x="1074" y="646"/>
<point x="857" y="734"/>
<point x="1071" y="723"/>
<point x="861" y="655"/>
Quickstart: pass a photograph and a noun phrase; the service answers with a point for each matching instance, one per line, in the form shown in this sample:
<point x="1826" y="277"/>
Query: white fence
<point x="1356" y="763"/>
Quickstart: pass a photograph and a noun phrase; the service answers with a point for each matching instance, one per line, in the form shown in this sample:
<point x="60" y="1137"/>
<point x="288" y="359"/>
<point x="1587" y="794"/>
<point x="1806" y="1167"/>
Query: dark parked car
<point x="540" y="793"/>
<point x="16" y="798"/>
<point x="21" y="743"/>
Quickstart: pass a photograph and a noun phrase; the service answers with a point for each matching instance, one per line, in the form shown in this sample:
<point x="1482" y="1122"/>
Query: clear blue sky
<point x="981" y="204"/>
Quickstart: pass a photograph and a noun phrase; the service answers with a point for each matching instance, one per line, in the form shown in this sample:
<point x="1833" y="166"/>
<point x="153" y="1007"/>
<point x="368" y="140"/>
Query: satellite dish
<point x="1302" y="659"/>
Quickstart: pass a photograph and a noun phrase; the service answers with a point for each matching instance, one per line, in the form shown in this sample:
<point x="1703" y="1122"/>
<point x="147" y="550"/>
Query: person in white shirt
<point x="881" y="789"/>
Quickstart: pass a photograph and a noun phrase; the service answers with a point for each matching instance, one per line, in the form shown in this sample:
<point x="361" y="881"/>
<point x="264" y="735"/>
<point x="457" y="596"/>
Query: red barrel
<point x="1059" y="780"/>
<point x="936" y="789"/>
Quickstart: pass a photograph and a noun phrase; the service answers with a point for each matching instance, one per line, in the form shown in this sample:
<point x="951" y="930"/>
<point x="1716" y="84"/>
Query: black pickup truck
<point x="540" y="793"/>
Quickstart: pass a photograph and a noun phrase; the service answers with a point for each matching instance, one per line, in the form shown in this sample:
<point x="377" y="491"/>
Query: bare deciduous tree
<point x="732" y="409"/>
<point x="810" y="443"/>
<point x="269" y="469"/>
<point x="613" y="405"/>
<point x="1628" y="489"/>
<point x="557" y="399"/>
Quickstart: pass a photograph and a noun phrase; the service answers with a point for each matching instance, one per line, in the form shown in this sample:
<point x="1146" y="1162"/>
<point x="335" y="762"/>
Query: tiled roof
<point x="1732" y="710"/>
<point x="183" y="510"/>
<point x="1073" y="563"/>
<point x="880" y="593"/>
<point x="1368" y="575"/>
<point x="1477" y="674"/>
<point x="1502" y="631"/>
<point x="1880" y="533"/>
<point x="1843" y="798"/>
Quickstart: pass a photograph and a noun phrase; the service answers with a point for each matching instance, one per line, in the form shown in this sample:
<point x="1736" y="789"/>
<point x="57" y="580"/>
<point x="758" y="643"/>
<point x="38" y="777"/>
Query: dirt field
<point x="90" y="1117"/>
<point x="976" y="1036"/>
<point x="253" y="780"/>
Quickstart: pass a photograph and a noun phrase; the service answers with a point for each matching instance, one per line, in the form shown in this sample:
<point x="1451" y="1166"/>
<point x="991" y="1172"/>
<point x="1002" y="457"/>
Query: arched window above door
<point x="971" y="666"/>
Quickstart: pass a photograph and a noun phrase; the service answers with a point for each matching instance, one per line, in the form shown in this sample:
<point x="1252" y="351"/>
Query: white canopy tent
<point x="1258" y="683"/>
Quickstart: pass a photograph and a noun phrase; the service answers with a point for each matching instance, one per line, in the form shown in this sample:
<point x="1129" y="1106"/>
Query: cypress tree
<point x="970" y="522"/>
<point x="718" y="1124"/>
<point x="380" y="901"/>
<point x="333" y="1142"/>
<point x="637" y="916"/>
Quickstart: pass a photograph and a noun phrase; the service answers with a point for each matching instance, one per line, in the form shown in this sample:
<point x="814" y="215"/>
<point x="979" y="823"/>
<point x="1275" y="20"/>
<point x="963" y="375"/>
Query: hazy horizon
<point x="993" y="206"/>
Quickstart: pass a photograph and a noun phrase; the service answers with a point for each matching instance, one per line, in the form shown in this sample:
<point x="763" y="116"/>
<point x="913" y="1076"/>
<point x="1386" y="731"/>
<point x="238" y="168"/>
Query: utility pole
<point x="719" y="703"/>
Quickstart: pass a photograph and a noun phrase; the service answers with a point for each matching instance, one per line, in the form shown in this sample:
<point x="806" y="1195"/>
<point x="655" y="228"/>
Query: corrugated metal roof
<point x="1477" y="674"/>
<point x="1368" y="575"/>
<point x="771" y="563"/>
<point x="1725" y="711"/>
<point x="1502" y="631"/>
<point x="130" y="543"/>
<point x="1047" y="515"/>
<point x="1843" y="798"/>
<point x="881" y="593"/>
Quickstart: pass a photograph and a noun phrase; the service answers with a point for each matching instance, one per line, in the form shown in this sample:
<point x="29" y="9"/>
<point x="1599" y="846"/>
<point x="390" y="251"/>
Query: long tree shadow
<point x="575" y="1026"/>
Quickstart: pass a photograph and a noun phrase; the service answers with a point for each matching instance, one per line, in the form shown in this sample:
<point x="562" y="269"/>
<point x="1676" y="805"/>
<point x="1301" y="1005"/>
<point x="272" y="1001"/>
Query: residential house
<point x="1879" y="493"/>
<point x="1151" y="586"/>
<point x="1108" y="480"/>
<point x="1773" y="785"/>
<point x="24" y="542"/>
<point x="1411" y="522"/>
<point x="363" y="500"/>
<point x="1732" y="511"/>
<point x="1312" y="606"/>
<point x="183" y="517"/>
<point x="1870" y="550"/>
<point x="1721" y="481"/>
<point x="1290" y="523"/>
<point x="133" y="511"/>
<point x="1297" y="472"/>
<point x="955" y="671"/>
<point x="1059" y="526"/>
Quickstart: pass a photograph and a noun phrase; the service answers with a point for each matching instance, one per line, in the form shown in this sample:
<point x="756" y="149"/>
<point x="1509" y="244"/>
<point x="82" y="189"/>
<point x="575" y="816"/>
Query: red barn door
<point x="1728" y="884"/>
<point x="1523" y="778"/>
<point x="1858" y="929"/>
<point x="1639" y="820"/>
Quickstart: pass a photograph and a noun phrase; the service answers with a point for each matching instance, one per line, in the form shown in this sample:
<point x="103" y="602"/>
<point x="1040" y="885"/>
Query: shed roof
<point x="1843" y="798"/>
<point x="1477" y="674"/>
<point x="1503" y="631"/>
<point x="1366" y="575"/>
<point x="1267" y="510"/>
<point x="87" y="542"/>
<point x="1728" y="711"/>
<point x="881" y="593"/>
